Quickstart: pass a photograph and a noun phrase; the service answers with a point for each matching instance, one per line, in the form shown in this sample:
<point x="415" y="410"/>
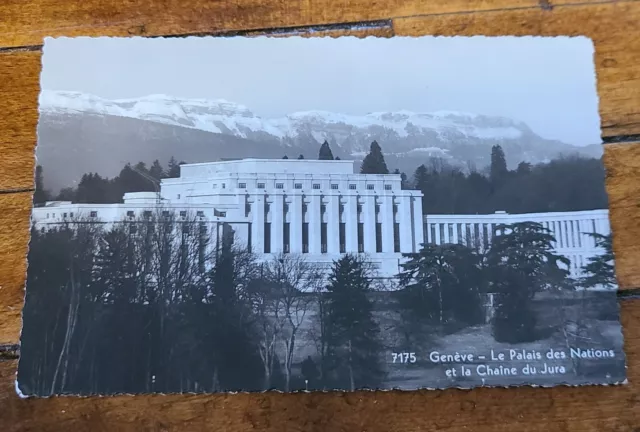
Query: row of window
<point x="323" y="208"/>
<point x="317" y="186"/>
<point x="64" y="215"/>
<point x="286" y="237"/>
<point x="566" y="233"/>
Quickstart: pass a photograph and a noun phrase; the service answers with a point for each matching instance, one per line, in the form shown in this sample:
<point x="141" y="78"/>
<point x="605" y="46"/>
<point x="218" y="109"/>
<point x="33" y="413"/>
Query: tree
<point x="353" y="346"/>
<point x="403" y="179"/>
<point x="600" y="270"/>
<point x="40" y="195"/>
<point x="300" y="157"/>
<point x="156" y="171"/>
<point x="325" y="152"/>
<point x="420" y="178"/>
<point x="373" y="162"/>
<point x="442" y="283"/>
<point x="524" y="168"/>
<point x="285" y="157"/>
<point x="498" y="169"/>
<point x="174" y="168"/>
<point x="521" y="263"/>
<point x="66" y="194"/>
<point x="287" y="276"/>
<point x="337" y="158"/>
<point x="94" y="189"/>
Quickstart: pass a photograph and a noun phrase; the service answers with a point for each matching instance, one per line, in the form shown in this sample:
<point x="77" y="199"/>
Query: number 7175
<point x="404" y="357"/>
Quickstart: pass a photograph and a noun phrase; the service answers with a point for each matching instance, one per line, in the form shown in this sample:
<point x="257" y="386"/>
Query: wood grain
<point x="19" y="87"/>
<point x="610" y="26"/>
<point x="613" y="26"/>
<point x="27" y="22"/>
<point x="14" y="238"/>
<point x="579" y="409"/>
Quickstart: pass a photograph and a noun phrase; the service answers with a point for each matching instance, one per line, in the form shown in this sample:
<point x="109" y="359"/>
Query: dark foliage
<point x="443" y="283"/>
<point x="325" y="152"/>
<point x="600" y="270"/>
<point x="40" y="195"/>
<point x="373" y="163"/>
<point x="566" y="184"/>
<point x="520" y="263"/>
<point x="353" y="345"/>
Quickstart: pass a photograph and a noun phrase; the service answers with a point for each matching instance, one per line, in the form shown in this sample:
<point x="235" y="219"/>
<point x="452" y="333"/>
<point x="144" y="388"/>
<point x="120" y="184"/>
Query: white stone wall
<point x="571" y="230"/>
<point x="326" y="208"/>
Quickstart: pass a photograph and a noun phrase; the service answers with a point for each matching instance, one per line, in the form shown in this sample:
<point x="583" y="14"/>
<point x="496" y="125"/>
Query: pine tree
<point x="285" y="157"/>
<point x="420" y="178"/>
<point x="442" y="283"/>
<point x="498" y="169"/>
<point x="373" y="162"/>
<point x="156" y="171"/>
<point x="300" y="157"/>
<point x="41" y="195"/>
<point x="520" y="263"/>
<point x="174" y="168"/>
<point x="337" y="158"/>
<point x="600" y="269"/>
<point x="354" y="347"/>
<point x="325" y="152"/>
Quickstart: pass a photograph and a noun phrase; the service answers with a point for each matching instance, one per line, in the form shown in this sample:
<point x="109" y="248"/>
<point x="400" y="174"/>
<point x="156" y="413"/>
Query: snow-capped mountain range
<point x="221" y="116"/>
<point x="195" y="130"/>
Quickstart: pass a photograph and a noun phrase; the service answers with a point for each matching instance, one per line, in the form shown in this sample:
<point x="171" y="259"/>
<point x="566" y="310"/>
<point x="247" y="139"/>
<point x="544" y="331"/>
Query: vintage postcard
<point x="318" y="214"/>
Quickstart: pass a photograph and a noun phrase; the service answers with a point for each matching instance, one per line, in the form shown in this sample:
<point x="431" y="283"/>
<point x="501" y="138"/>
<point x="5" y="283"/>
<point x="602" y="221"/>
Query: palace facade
<point x="320" y="209"/>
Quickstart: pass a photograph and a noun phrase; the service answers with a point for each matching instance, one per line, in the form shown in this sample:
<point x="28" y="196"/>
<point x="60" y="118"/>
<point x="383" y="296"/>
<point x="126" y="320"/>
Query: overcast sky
<point x="547" y="82"/>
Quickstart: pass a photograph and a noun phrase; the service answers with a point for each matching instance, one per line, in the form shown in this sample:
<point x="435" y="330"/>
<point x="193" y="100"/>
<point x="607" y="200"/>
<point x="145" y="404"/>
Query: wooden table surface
<point x="614" y="26"/>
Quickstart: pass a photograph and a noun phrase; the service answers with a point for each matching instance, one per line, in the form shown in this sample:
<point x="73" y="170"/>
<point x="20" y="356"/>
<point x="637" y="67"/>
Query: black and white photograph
<point x="248" y="214"/>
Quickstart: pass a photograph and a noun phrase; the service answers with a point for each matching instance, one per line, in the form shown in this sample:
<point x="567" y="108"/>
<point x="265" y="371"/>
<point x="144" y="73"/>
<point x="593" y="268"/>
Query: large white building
<point x="322" y="209"/>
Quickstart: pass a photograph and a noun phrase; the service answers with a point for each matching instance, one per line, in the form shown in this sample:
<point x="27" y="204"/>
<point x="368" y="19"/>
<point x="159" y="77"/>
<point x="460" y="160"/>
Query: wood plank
<point x="526" y="409"/>
<point x="19" y="87"/>
<point x="14" y="237"/>
<point x="27" y="22"/>
<point x="611" y="26"/>
<point x="622" y="162"/>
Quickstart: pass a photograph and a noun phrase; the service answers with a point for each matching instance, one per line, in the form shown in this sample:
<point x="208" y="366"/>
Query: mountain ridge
<point x="79" y="133"/>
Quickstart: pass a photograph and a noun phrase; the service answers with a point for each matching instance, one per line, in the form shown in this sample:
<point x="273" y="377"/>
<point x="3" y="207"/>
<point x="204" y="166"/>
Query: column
<point x="351" y="224"/>
<point x="455" y="238"/>
<point x="406" y="237"/>
<point x="241" y="234"/>
<point x="418" y="226"/>
<point x="369" y="220"/>
<point x="333" y="224"/>
<point x="437" y="233"/>
<point x="277" y="221"/>
<point x="386" y="217"/>
<point x="603" y="226"/>
<point x="314" y="225"/>
<point x="257" y="224"/>
<point x="295" y="224"/>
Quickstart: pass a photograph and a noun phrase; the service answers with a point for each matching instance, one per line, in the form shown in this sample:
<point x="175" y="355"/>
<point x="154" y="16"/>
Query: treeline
<point x="96" y="189"/>
<point x="161" y="305"/>
<point x="564" y="184"/>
